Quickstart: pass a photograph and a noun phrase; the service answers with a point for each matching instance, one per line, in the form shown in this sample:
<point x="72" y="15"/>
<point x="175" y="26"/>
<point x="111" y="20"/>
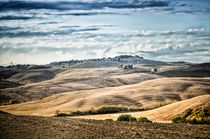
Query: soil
<point x="30" y="127"/>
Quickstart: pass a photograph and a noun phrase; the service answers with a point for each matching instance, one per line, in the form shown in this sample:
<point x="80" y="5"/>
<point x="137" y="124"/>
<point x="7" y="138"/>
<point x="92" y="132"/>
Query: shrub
<point x="182" y="118"/>
<point x="186" y="113"/>
<point x="88" y="112"/>
<point x="57" y="112"/>
<point x="101" y="110"/>
<point x="135" y="109"/>
<point x="13" y="102"/>
<point x="132" y="119"/>
<point x="124" y="117"/>
<point x="62" y="114"/>
<point x="199" y="116"/>
<point x="77" y="113"/>
<point x="178" y="119"/>
<point x="108" y="109"/>
<point x="202" y="120"/>
<point x="143" y="119"/>
<point x="108" y="119"/>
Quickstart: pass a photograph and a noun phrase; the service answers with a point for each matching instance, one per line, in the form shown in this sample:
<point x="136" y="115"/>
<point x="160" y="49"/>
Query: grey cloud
<point x="107" y="51"/>
<point x="163" y="5"/>
<point x="53" y="22"/>
<point x="195" y="32"/>
<point x="15" y="17"/>
<point x="190" y="7"/>
<point x="7" y="28"/>
<point x="65" y="5"/>
<point x="87" y="13"/>
<point x="23" y="50"/>
<point x="91" y="53"/>
<point x="13" y="34"/>
<point x="126" y="53"/>
<point x="173" y="51"/>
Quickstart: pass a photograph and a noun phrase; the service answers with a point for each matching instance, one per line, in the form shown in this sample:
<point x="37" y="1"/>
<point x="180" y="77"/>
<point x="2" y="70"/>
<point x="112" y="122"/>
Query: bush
<point x="101" y="110"/>
<point x="62" y="115"/>
<point x="13" y="102"/>
<point x="57" y="112"/>
<point x="132" y="119"/>
<point x="77" y="113"/>
<point x="108" y="119"/>
<point x="105" y="110"/>
<point x="143" y="119"/>
<point x="199" y="116"/>
<point x="110" y="109"/>
<point x="178" y="119"/>
<point x="186" y="113"/>
<point x="125" y="117"/>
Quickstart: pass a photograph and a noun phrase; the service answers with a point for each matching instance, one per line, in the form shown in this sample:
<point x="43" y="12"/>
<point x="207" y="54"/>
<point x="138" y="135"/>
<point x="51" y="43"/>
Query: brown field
<point x="136" y="95"/>
<point x="75" y="80"/>
<point x="31" y="127"/>
<point x="161" y="115"/>
<point x="86" y="88"/>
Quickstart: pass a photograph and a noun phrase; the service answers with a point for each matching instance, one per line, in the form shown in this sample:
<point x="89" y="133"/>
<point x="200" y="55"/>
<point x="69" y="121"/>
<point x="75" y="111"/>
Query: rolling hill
<point x="24" y="74"/>
<point x="163" y="114"/>
<point x="75" y="80"/>
<point x="193" y="70"/>
<point x="108" y="62"/>
<point x="135" y="95"/>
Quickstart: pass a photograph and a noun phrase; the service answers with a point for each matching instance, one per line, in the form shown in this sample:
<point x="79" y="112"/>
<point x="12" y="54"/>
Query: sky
<point x="43" y="31"/>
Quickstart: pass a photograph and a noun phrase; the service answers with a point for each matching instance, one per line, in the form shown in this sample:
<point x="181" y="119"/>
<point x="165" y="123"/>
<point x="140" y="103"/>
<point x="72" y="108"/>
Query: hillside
<point x="194" y="70"/>
<point x="75" y="80"/>
<point x="25" y="74"/>
<point x="8" y="84"/>
<point x="107" y="62"/>
<point x="136" y="95"/>
<point x="163" y="114"/>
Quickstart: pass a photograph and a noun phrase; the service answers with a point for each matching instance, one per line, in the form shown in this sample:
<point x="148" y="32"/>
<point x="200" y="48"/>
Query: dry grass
<point x="75" y="80"/>
<point x="137" y="95"/>
<point x="163" y="114"/>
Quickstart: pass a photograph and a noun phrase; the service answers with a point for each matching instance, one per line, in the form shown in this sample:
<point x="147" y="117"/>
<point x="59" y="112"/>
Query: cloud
<point x="7" y="28"/>
<point x="201" y="32"/>
<point x="53" y="22"/>
<point x="28" y="50"/>
<point x="91" y="53"/>
<point x="87" y="13"/>
<point x="76" y="5"/>
<point x="13" y="34"/>
<point x="102" y="7"/>
<point x="106" y="51"/>
<point x="15" y="18"/>
<point x="173" y="51"/>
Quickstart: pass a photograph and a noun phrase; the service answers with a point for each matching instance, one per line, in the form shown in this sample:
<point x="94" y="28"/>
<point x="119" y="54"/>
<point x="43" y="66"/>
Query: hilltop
<point x="25" y="74"/>
<point x="108" y="62"/>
